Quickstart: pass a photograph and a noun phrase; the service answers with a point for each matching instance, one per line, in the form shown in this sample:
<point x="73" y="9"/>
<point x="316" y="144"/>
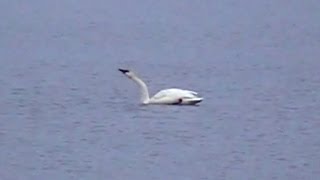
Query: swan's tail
<point x="192" y="101"/>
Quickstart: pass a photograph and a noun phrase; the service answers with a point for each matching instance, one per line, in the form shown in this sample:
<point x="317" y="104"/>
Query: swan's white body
<point x="171" y="96"/>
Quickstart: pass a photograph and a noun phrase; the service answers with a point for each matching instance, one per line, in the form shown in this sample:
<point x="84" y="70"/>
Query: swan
<point x="172" y="96"/>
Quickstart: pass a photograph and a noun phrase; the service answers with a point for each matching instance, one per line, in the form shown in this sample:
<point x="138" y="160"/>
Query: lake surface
<point x="67" y="113"/>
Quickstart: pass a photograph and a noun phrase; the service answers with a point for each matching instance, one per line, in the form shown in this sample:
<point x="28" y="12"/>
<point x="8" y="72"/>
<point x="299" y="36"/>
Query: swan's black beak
<point x="124" y="71"/>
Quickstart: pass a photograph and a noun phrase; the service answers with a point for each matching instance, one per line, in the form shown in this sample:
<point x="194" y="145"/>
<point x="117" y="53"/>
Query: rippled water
<point x="67" y="113"/>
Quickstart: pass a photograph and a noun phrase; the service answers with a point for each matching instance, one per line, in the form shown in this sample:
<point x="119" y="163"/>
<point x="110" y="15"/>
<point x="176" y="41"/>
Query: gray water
<point x="67" y="113"/>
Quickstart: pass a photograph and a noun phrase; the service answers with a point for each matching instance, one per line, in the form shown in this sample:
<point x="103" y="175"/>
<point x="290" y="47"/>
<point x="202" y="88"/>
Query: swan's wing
<point x="182" y="91"/>
<point x="174" y="93"/>
<point x="176" y="96"/>
<point x="162" y="94"/>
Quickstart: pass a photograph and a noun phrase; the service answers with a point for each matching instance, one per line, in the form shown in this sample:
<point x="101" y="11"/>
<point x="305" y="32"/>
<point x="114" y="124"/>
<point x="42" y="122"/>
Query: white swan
<point x="171" y="96"/>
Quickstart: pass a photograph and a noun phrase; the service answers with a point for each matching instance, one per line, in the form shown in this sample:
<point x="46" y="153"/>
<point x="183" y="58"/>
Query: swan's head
<point x="127" y="72"/>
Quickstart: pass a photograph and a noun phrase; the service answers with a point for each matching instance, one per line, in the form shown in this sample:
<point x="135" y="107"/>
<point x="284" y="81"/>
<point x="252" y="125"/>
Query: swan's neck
<point x="144" y="93"/>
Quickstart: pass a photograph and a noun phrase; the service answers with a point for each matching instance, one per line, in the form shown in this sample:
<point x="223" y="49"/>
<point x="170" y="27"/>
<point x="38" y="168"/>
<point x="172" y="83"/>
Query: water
<point x="67" y="113"/>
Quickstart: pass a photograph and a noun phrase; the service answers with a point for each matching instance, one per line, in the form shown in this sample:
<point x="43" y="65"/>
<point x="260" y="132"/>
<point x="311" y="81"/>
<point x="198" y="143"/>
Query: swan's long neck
<point x="144" y="93"/>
